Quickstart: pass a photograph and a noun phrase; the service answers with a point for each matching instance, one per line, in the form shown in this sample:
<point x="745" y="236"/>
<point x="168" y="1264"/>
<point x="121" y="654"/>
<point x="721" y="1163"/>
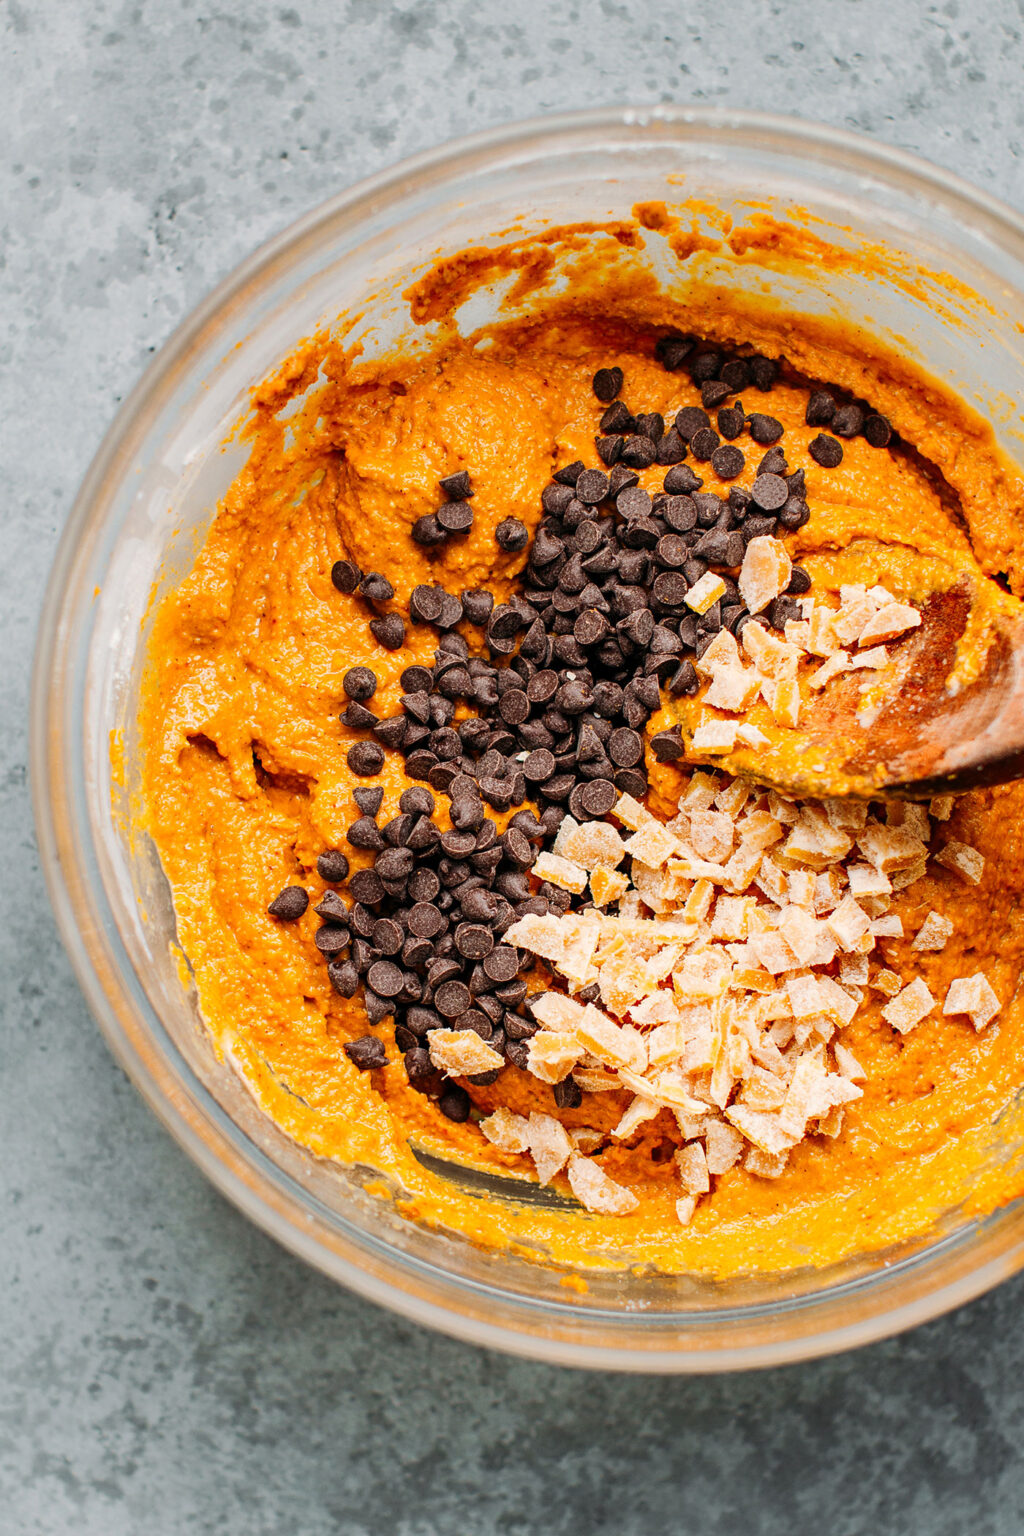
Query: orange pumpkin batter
<point x="246" y="778"/>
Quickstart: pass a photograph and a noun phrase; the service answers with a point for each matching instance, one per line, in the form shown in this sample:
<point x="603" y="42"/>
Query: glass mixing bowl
<point x="150" y="493"/>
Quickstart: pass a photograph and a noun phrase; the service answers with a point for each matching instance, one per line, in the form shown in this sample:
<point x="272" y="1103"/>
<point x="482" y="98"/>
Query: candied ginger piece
<point x="765" y="572"/>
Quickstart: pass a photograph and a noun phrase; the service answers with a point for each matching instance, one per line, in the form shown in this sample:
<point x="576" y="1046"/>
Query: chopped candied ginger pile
<point x="741" y="947"/>
<point x="822" y="644"/>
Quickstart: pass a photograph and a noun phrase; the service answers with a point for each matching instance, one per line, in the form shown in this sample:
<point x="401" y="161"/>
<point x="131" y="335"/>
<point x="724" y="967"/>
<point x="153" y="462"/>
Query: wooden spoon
<point x="920" y="737"/>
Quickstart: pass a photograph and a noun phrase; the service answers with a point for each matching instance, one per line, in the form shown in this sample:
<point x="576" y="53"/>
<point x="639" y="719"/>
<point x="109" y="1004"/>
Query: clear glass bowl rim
<point x="943" y="1276"/>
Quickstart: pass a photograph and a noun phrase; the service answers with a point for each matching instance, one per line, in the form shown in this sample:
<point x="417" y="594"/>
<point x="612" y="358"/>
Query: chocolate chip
<point x="514" y="706"/>
<point x="795" y="513"/>
<point x="630" y="781"/>
<point x="418" y="764"/>
<point x="591" y="628"/>
<point x="636" y="628"/>
<point x="452" y="998"/>
<point x="392" y="731"/>
<point x="446" y="744"/>
<point x="385" y="978"/>
<point x="365" y="758"/>
<point x="418" y="1065"/>
<point x="331" y="939"/>
<point x="714" y="547"/>
<point x="542" y="685"/>
<point x="360" y="683"/>
<point x="713" y="392"/>
<point x="556" y="498"/>
<point x="425" y="606"/>
<point x="332" y="865"/>
<point x="672" y="351"/>
<point x="444" y="968"/>
<point x="423" y="886"/>
<point x="376" y="587"/>
<point x="457" y="487"/>
<point x="671" y="448"/>
<point x="821" y="407"/>
<point x="395" y="863"/>
<point x="455" y="1104"/>
<point x="620" y="478"/>
<point x="344" y="977"/>
<point x="369" y="801"/>
<point x="616" y="419"/>
<point x="731" y="421"/>
<point x="764" y="429"/>
<point x="727" y="462"/>
<point x="691" y="419"/>
<point x="387" y="937"/>
<point x="473" y="940"/>
<point x="878" y="431"/>
<point x="573" y="698"/>
<point x="365" y="833"/>
<point x="539" y="766"/>
<point x="673" y="550"/>
<point x="502" y="964"/>
<point x="651" y="424"/>
<point x="367" y="887"/>
<point x="684" y="681"/>
<point x="425" y="920"/>
<point x="703" y="444"/>
<point x="847" y="421"/>
<point x="735" y="373"/>
<point x="826" y="451"/>
<point x="476" y="1020"/>
<point x="670" y="588"/>
<point x="455" y="517"/>
<point x="625" y="748"/>
<point x="705" y="366"/>
<point x="569" y="473"/>
<point x="289" y="903"/>
<point x="633" y="501"/>
<point x="609" y="449"/>
<point x="345" y="575"/>
<point x="517" y="1054"/>
<point x="607" y="383"/>
<point x="511" y="535"/>
<point x="404" y="1038"/>
<point x="756" y="525"/>
<point x="598" y="797"/>
<point x="591" y="487"/>
<point x="366" y="1053"/>
<point x="763" y="372"/>
<point x="639" y="451"/>
<point x="769" y="492"/>
<point x="421" y="1019"/>
<point x="680" y="483"/>
<point x="427" y="530"/>
<point x="568" y="1094"/>
<point x="389" y="631"/>
<point x="477" y="605"/>
<point x="667" y="746"/>
<point x="680" y="513"/>
<point x="457" y="845"/>
<point x="417" y="801"/>
<point x="799" y="582"/>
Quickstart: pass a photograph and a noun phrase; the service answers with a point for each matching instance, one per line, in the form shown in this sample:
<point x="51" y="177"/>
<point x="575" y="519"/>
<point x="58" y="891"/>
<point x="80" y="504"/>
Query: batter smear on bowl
<point x="463" y="744"/>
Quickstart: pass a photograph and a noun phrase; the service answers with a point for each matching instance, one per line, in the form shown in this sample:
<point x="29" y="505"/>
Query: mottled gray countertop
<point x="166" y="1368"/>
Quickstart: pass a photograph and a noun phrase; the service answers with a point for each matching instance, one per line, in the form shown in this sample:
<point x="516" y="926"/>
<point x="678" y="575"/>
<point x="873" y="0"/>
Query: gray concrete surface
<point x="165" y="1368"/>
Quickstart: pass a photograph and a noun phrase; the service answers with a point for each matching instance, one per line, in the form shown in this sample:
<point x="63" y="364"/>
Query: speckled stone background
<point x="165" y="1368"/>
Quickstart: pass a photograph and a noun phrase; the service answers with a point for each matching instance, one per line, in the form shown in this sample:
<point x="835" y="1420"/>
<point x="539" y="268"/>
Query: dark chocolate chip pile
<point x="423" y="933"/>
<point x="574" y="667"/>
